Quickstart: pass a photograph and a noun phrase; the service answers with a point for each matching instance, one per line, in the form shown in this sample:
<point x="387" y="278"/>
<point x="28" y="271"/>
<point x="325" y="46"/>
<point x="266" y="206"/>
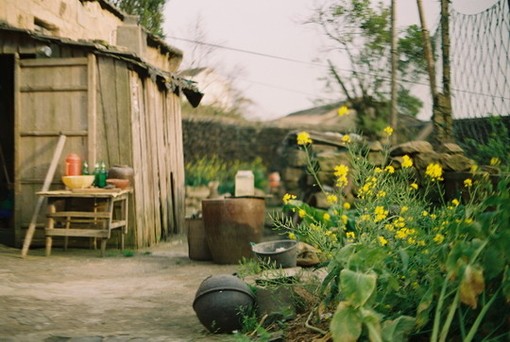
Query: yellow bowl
<point x="78" y="182"/>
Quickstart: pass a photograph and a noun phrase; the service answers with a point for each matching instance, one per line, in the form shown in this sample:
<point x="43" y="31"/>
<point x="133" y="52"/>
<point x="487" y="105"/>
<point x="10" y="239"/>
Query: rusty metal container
<point x="232" y="225"/>
<point x="197" y="242"/>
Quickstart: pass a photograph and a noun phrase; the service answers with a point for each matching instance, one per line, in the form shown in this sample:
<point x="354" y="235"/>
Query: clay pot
<point x="118" y="183"/>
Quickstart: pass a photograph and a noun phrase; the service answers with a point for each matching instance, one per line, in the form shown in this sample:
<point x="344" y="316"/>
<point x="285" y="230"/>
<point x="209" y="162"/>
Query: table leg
<point x="103" y="247"/>
<point x="66" y="238"/>
<point x="124" y="215"/>
<point x="51" y="225"/>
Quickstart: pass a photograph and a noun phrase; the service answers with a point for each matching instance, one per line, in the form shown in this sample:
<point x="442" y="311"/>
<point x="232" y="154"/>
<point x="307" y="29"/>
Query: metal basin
<point x="281" y="252"/>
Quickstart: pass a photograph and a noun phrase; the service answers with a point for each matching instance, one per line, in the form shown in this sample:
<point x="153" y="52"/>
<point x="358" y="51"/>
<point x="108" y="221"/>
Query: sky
<point x="266" y="48"/>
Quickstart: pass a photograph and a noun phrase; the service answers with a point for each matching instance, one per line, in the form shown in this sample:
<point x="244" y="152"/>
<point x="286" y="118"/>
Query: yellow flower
<point x="389" y="131"/>
<point x="378" y="170"/>
<point x="344" y="110"/>
<point x="414" y="186"/>
<point x="473" y="168"/>
<point x="389" y="169"/>
<point x="495" y="161"/>
<point x="407" y="161"/>
<point x="287" y="198"/>
<point x="439" y="238"/>
<point x="332" y="199"/>
<point x="346" y="138"/>
<point x="404" y="209"/>
<point x="382" y="240"/>
<point x="344" y="219"/>
<point x="350" y="235"/>
<point x="379" y="210"/>
<point x="347" y="205"/>
<point x="402" y="233"/>
<point x="292" y="236"/>
<point x="341" y="172"/>
<point x="326" y="217"/>
<point x="303" y="138"/>
<point x="381" y="194"/>
<point x="424" y="213"/>
<point x="435" y="172"/>
<point x="455" y="202"/>
<point x="468" y="220"/>
<point x="380" y="213"/>
<point x="301" y="213"/>
<point x="389" y="227"/>
<point x="468" y="183"/>
<point x="364" y="217"/>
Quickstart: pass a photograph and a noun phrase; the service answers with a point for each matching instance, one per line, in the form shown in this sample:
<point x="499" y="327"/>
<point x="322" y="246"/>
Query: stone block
<point x="411" y="148"/>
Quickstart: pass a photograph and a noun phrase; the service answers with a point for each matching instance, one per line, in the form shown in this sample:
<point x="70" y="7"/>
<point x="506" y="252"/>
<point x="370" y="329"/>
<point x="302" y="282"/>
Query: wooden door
<point x="52" y="96"/>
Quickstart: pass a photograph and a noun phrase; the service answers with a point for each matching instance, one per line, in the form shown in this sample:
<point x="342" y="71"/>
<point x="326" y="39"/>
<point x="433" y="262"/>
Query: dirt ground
<point x="75" y="295"/>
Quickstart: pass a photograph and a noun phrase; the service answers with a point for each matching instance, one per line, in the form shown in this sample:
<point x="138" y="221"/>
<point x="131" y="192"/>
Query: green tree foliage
<point x="361" y="34"/>
<point x="149" y="11"/>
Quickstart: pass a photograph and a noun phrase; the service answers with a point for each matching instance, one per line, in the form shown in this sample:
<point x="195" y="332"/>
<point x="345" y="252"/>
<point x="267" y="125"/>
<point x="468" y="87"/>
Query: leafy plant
<point x="204" y="170"/>
<point x="149" y="11"/>
<point x="207" y="169"/>
<point x="399" y="264"/>
<point x="496" y="145"/>
<point x="361" y="32"/>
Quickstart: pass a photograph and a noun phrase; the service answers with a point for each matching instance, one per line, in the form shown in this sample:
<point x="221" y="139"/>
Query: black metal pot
<point x="221" y="301"/>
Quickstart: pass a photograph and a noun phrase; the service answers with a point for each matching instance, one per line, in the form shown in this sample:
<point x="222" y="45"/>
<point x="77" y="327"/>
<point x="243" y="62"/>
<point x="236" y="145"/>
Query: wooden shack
<point x="114" y="103"/>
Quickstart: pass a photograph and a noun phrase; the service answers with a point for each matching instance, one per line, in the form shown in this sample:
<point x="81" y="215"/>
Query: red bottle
<point x="73" y="165"/>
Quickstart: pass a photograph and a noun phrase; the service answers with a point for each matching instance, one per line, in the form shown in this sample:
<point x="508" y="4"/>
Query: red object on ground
<point x="73" y="165"/>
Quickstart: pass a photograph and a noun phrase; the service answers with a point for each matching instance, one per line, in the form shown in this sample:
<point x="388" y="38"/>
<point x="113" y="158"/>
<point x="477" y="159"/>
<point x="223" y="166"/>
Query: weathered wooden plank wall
<point x="51" y="97"/>
<point x="177" y="162"/>
<point x="158" y="160"/>
<point x="139" y="125"/>
<point x="114" y="112"/>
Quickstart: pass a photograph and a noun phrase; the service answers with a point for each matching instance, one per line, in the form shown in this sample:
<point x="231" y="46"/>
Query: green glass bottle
<point x="101" y="175"/>
<point x="85" y="168"/>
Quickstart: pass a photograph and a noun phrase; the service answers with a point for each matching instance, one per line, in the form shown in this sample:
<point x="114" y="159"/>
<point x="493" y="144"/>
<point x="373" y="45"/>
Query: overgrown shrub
<point x="207" y="169"/>
<point x="400" y="265"/>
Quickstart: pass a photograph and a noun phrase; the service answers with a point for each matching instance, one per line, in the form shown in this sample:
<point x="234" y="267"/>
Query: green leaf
<point x="405" y="259"/>
<point x="423" y="309"/>
<point x="493" y="262"/>
<point x="346" y="323"/>
<point x="372" y="321"/>
<point x="457" y="259"/>
<point x="398" y="329"/>
<point x="357" y="287"/>
<point x="345" y="253"/>
<point x="506" y="284"/>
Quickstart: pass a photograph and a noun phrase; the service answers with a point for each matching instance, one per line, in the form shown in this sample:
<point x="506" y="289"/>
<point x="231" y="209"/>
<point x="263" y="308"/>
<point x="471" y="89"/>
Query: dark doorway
<point x="7" y="149"/>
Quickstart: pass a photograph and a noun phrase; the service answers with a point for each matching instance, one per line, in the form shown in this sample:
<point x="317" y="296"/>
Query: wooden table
<point x="92" y="213"/>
